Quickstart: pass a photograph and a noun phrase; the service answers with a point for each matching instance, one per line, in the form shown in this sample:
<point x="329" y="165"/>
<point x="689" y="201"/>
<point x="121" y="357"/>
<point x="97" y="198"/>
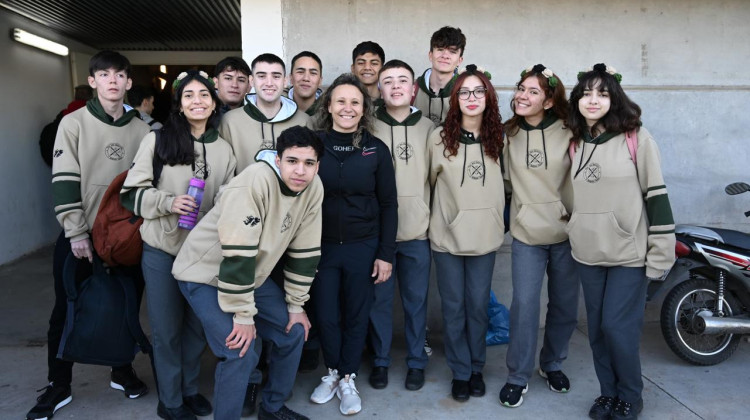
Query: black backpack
<point x="47" y="139"/>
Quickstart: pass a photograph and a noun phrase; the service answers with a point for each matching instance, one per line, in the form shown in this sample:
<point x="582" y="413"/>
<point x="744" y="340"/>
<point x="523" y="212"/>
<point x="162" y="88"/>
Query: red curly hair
<point x="491" y="132"/>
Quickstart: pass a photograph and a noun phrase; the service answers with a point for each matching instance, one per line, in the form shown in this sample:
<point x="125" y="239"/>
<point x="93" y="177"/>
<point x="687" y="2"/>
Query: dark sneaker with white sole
<point x="556" y="380"/>
<point x="54" y="398"/>
<point x="512" y="395"/>
<point x="125" y="380"/>
<point x="602" y="408"/>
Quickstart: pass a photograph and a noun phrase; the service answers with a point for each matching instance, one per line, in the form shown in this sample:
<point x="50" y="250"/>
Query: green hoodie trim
<point x="409" y="121"/>
<point x="209" y="136"/>
<point x="600" y="139"/>
<point x="547" y="121"/>
<point x="442" y="93"/>
<point x="255" y="113"/>
<point x="314" y="107"/>
<point x="95" y="108"/>
<point x="468" y="138"/>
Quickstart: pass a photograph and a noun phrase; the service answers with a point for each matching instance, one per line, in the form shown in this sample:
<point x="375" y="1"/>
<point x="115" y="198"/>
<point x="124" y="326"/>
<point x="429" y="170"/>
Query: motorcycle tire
<point x="683" y="303"/>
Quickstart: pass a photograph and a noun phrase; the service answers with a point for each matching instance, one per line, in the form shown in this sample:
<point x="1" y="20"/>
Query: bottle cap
<point x="195" y="182"/>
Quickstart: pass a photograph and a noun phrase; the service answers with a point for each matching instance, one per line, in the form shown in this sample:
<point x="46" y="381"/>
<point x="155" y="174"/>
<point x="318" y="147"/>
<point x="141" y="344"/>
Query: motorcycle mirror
<point x="737" y="188"/>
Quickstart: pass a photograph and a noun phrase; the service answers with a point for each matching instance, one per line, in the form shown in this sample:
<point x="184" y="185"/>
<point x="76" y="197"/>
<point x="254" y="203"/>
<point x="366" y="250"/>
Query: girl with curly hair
<point x="466" y="225"/>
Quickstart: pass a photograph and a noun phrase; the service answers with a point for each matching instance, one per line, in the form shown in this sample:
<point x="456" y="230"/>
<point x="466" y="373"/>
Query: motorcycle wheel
<point x="680" y="306"/>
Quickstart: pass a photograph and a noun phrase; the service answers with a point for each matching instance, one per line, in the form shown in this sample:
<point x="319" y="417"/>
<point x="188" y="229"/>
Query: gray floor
<point x="673" y="389"/>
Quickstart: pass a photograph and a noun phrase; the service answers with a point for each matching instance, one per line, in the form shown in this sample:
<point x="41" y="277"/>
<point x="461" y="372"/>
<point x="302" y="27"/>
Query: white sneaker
<point x="327" y="388"/>
<point x="349" y="396"/>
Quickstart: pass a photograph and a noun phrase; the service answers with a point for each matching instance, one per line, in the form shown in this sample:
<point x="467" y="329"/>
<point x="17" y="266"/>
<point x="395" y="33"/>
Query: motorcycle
<point x="706" y="309"/>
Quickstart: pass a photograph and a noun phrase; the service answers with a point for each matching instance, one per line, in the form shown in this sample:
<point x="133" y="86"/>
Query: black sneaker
<point x="309" y="360"/>
<point x="476" y="384"/>
<point x="624" y="410"/>
<point x="512" y="395"/>
<point x="284" y="413"/>
<point x="126" y="381"/>
<point x="414" y="379"/>
<point x="54" y="398"/>
<point x="556" y="380"/>
<point x="379" y="377"/>
<point x="460" y="390"/>
<point x="179" y="413"/>
<point x="602" y="408"/>
<point x="251" y="400"/>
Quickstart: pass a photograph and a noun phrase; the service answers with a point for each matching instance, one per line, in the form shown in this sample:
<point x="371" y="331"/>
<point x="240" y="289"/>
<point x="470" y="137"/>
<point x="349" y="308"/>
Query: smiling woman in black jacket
<point x="359" y="234"/>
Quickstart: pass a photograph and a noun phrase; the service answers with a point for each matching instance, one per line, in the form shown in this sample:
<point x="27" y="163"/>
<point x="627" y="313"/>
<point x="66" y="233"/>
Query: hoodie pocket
<point x="540" y="223"/>
<point x="172" y="237"/>
<point x="413" y="218"/>
<point x="597" y="239"/>
<point x="474" y="232"/>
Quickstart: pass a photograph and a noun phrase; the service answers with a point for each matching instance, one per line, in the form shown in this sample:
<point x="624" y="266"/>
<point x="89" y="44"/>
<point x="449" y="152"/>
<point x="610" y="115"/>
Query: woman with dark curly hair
<point x="466" y="224"/>
<point x="359" y="234"/>
<point x="621" y="231"/>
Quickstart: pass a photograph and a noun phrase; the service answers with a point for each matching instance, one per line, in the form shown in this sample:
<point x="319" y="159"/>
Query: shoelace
<point x="333" y="376"/>
<point x="348" y="387"/>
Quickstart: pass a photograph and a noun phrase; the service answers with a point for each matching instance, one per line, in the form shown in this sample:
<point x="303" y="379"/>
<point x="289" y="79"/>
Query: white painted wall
<point x="685" y="62"/>
<point x="36" y="85"/>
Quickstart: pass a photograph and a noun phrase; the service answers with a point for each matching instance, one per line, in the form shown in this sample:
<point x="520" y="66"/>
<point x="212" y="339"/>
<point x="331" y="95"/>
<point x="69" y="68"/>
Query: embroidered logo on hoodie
<point x="251" y="220"/>
<point x="475" y="170"/>
<point x="287" y="223"/>
<point x="58" y="153"/>
<point x="114" y="151"/>
<point x="202" y="169"/>
<point x="592" y="173"/>
<point x="404" y="151"/>
<point x="535" y="158"/>
<point x="366" y="151"/>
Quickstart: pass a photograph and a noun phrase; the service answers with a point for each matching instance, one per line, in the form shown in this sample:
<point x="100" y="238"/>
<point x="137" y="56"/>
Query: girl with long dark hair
<point x="188" y="147"/>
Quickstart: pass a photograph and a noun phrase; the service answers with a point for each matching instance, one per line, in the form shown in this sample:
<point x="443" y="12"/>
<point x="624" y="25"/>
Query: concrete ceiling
<point x="149" y="25"/>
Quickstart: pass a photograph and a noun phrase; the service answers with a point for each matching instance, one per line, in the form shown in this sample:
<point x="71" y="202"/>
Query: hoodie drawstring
<point x="205" y="163"/>
<point x="406" y="144"/>
<point x="393" y="156"/>
<point x="544" y="148"/>
<point x="463" y="173"/>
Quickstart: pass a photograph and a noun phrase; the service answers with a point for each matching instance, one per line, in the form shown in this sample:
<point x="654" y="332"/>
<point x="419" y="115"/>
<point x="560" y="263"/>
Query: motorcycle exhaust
<point x="705" y="323"/>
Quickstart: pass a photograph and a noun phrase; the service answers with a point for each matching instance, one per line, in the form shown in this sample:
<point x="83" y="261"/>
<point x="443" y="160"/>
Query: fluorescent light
<point x="39" y="42"/>
<point x="162" y="82"/>
<point x="163" y="69"/>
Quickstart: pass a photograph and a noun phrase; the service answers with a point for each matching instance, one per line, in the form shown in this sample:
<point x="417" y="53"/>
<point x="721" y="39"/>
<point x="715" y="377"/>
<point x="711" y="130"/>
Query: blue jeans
<point x="615" y="302"/>
<point x="411" y="265"/>
<point x="464" y="285"/>
<point x="176" y="332"/>
<point x="529" y="263"/>
<point x="232" y="370"/>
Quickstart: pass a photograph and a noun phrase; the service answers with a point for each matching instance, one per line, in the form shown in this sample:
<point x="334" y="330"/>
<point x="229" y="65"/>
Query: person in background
<point x="621" y="231"/>
<point x="466" y="225"/>
<point x="142" y="99"/>
<point x="537" y="166"/>
<point x="305" y="78"/>
<point x="232" y="78"/>
<point x="367" y="59"/>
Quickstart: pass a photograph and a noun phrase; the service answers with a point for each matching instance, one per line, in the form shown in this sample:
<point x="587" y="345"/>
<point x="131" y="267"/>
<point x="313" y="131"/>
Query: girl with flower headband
<point x="466" y="226"/>
<point x="188" y="146"/>
<point x="621" y="231"/>
<point x="536" y="165"/>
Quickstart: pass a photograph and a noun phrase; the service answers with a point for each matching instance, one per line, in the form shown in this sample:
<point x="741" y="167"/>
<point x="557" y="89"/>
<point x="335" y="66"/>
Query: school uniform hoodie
<point x="214" y="163"/>
<point x="360" y="192"/>
<point x="537" y="166"/>
<point x="257" y="220"/>
<point x="407" y="141"/>
<point x="621" y="213"/>
<point x="434" y="105"/>
<point x="468" y="199"/>
<point x="248" y="131"/>
<point x="315" y="105"/>
<point x="91" y="149"/>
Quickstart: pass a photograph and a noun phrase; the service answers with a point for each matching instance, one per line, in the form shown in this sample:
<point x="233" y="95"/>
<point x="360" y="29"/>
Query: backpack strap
<point x="157" y="163"/>
<point x="631" y="138"/>
<point x="572" y="151"/>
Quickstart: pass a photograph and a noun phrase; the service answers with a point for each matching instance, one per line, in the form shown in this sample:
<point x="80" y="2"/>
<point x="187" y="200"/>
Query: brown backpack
<point x="115" y="234"/>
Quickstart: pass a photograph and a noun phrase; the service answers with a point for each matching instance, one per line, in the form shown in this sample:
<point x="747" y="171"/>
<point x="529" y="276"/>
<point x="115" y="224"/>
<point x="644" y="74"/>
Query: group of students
<point x="410" y="171"/>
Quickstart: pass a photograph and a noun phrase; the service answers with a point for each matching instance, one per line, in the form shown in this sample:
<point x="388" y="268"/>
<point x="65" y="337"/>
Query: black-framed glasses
<point x="465" y="94"/>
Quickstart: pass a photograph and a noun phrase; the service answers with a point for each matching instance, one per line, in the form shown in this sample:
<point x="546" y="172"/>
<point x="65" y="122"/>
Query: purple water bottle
<point x="195" y="190"/>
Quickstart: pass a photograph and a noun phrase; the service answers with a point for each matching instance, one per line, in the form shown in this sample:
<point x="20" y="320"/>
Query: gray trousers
<point x="464" y="285"/>
<point x="529" y="263"/>
<point x="615" y="302"/>
<point x="176" y="332"/>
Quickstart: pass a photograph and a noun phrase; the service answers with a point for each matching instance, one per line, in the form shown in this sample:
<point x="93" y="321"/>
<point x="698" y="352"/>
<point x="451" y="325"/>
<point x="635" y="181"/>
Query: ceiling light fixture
<point x="42" y="43"/>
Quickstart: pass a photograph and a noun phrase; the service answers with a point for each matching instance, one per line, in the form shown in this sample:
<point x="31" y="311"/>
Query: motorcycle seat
<point x="734" y="238"/>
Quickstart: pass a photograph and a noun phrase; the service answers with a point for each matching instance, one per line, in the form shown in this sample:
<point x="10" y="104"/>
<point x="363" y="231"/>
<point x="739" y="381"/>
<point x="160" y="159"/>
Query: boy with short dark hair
<point x="447" y="46"/>
<point x="403" y="128"/>
<point x="305" y="78"/>
<point x="367" y="59"/>
<point x="270" y="210"/>
<point x="142" y="99"/>
<point x="232" y="79"/>
<point x="93" y="145"/>
<point x="266" y="114"/>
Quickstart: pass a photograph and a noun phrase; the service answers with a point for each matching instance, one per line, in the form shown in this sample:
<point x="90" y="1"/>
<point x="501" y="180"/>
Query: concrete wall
<point x="36" y="86"/>
<point x="685" y="62"/>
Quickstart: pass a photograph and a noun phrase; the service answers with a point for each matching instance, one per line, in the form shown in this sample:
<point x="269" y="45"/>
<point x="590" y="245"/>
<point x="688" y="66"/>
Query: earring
<point x="181" y="114"/>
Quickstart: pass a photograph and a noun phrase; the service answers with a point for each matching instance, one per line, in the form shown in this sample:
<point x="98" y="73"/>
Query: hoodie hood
<point x="287" y="111"/>
<point x="290" y="94"/>
<point x="95" y="108"/>
<point x="424" y="83"/>
<point x="600" y="139"/>
<point x="268" y="157"/>
<point x="412" y="119"/>
<point x="547" y="121"/>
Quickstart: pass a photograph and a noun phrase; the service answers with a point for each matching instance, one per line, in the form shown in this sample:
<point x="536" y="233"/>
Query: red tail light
<point x="681" y="250"/>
